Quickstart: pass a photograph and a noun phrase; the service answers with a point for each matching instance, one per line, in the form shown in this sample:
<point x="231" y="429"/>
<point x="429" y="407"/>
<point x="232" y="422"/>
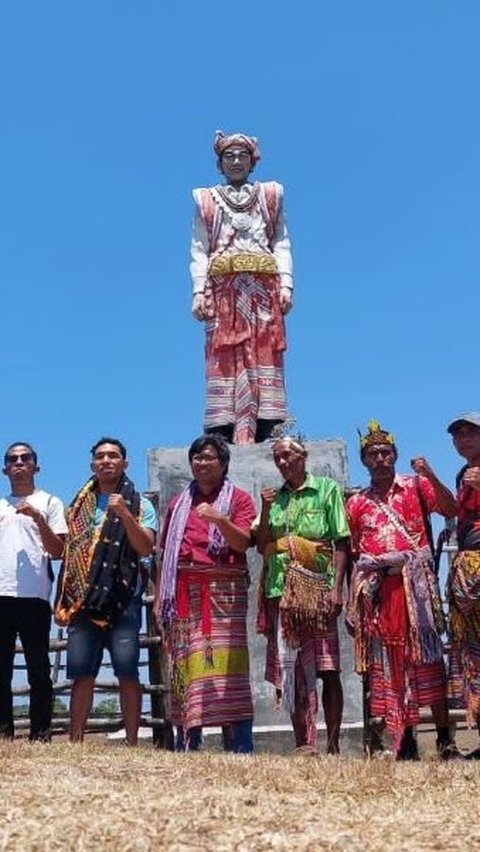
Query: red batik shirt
<point x="468" y="518"/>
<point x="371" y="529"/>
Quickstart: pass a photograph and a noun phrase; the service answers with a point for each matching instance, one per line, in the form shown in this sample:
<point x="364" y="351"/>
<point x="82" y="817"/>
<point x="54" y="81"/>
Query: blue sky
<point x="366" y="111"/>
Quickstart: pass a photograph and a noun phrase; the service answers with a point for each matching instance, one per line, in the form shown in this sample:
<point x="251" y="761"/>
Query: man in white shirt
<point x="242" y="284"/>
<point x="32" y="530"/>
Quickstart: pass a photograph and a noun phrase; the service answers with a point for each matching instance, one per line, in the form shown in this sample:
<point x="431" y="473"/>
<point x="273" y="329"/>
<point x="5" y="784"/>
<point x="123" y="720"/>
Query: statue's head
<point x="237" y="155"/>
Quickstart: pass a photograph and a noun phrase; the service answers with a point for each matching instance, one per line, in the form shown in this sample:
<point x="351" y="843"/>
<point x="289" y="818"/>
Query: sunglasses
<point x="21" y="457"/>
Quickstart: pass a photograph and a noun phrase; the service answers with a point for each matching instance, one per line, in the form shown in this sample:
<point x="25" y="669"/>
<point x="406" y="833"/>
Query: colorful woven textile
<point x="208" y="648"/>
<point x="165" y="601"/>
<point x="463" y="592"/>
<point x="100" y="568"/>
<point x="305" y="602"/>
<point x="245" y="341"/>
<point x="295" y="679"/>
<point x="396" y="612"/>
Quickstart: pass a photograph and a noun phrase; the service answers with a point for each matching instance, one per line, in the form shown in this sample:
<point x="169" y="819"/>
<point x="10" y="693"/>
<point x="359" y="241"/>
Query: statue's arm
<point x="199" y="250"/>
<point x="281" y="246"/>
<point x="199" y="253"/>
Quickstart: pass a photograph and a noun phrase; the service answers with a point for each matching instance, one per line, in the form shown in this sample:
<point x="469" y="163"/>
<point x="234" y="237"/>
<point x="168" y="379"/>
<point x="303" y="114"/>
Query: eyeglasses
<point x="231" y="156"/>
<point x="21" y="457"/>
<point x="202" y="457"/>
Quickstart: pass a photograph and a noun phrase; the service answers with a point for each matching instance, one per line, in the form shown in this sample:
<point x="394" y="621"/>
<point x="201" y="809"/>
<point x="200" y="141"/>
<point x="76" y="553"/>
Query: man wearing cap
<point x="463" y="587"/>
<point x="242" y="286"/>
<point x="394" y="607"/>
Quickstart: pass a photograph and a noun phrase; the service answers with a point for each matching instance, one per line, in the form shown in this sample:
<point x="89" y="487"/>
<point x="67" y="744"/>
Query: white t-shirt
<point x="23" y="559"/>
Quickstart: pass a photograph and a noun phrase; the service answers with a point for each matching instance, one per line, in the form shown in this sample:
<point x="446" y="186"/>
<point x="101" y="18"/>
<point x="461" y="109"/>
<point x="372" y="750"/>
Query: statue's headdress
<point x="223" y="141"/>
<point x="375" y="435"/>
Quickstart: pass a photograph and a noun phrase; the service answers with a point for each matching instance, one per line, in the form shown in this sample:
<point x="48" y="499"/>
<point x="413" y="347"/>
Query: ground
<point x="104" y="795"/>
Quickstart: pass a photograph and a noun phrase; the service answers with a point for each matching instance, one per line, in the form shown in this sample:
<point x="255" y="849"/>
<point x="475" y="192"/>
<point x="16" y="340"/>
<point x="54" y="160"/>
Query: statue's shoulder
<point x="272" y="191"/>
<point x="272" y="186"/>
<point x="200" y="193"/>
<point x="206" y="203"/>
<point x="271" y="202"/>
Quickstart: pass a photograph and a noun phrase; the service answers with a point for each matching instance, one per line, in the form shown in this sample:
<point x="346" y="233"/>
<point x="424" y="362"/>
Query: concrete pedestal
<point x="251" y="468"/>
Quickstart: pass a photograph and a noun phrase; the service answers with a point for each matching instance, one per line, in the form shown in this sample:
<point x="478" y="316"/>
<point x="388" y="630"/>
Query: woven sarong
<point x="463" y="592"/>
<point x="318" y="652"/>
<point x="208" y="650"/>
<point x="245" y="341"/>
<point x="398" y="624"/>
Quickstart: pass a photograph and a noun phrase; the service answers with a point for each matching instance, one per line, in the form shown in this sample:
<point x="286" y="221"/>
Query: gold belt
<point x="224" y="264"/>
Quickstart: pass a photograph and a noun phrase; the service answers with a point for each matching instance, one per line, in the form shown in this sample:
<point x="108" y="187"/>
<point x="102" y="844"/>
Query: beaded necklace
<point x="239" y="206"/>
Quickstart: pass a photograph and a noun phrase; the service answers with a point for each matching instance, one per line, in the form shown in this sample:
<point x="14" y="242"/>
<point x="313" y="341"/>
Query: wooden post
<point x="157" y="674"/>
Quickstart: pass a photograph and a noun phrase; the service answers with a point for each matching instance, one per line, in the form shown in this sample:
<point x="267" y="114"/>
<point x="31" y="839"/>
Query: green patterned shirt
<point x="315" y="511"/>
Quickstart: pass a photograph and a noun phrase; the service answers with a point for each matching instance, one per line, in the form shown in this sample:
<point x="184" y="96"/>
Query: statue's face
<point x="236" y="163"/>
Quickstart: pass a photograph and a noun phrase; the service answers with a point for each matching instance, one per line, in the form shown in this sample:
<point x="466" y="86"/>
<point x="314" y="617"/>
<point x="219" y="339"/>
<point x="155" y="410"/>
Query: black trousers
<point x="30" y="619"/>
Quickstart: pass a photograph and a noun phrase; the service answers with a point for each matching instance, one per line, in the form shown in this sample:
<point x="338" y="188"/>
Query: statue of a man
<point x="242" y="284"/>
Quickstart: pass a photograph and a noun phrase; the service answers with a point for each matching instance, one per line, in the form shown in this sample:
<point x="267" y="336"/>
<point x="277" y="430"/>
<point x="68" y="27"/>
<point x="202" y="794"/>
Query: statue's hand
<point x="286" y="300"/>
<point x="198" y="306"/>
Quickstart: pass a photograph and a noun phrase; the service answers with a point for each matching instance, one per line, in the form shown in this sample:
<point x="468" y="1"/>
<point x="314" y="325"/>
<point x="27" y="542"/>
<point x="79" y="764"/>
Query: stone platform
<point x="252" y="468"/>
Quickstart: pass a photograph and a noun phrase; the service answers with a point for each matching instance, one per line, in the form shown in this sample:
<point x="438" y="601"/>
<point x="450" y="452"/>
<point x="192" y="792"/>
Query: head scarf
<point x="375" y="435"/>
<point x="295" y="442"/>
<point x="223" y="141"/>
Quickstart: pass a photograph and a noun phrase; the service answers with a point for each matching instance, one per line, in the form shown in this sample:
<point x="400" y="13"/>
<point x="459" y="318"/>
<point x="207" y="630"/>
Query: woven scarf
<point x="178" y="521"/>
<point x="425" y="616"/>
<point x="463" y="592"/>
<point x="100" y="568"/>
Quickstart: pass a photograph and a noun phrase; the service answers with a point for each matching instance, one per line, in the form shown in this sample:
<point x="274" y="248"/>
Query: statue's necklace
<point x="239" y="206"/>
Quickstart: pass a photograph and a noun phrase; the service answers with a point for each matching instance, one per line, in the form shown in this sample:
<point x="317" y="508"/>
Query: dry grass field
<point x="105" y="796"/>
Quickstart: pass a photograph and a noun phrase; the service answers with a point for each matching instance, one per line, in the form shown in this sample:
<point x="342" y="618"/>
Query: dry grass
<point x="63" y="797"/>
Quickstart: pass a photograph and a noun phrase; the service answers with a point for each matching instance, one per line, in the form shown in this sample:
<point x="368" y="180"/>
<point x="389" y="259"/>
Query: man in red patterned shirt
<point x="394" y="608"/>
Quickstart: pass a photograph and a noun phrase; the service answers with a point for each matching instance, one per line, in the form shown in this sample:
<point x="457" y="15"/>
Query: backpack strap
<point x="459" y="476"/>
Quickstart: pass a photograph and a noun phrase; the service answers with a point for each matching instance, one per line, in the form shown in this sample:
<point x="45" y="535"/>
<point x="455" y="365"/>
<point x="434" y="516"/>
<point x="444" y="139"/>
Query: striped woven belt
<point x="225" y="264"/>
<point x="220" y="570"/>
<point x="199" y="574"/>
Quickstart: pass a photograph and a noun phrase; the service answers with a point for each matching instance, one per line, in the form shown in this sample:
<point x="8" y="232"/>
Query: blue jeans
<point x="86" y="642"/>
<point x="237" y="737"/>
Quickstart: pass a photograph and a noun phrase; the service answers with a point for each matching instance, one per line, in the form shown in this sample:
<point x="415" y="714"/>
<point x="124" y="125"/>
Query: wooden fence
<point x="153" y="682"/>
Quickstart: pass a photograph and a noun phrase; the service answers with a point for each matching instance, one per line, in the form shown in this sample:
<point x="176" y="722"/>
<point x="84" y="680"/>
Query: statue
<point x="242" y="286"/>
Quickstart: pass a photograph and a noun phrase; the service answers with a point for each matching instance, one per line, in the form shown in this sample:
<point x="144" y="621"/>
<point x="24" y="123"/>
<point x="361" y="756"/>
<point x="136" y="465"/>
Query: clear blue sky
<point x="366" y="111"/>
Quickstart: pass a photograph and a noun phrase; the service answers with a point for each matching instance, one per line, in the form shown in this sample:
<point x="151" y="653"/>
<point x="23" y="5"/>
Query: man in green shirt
<point x="303" y="536"/>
